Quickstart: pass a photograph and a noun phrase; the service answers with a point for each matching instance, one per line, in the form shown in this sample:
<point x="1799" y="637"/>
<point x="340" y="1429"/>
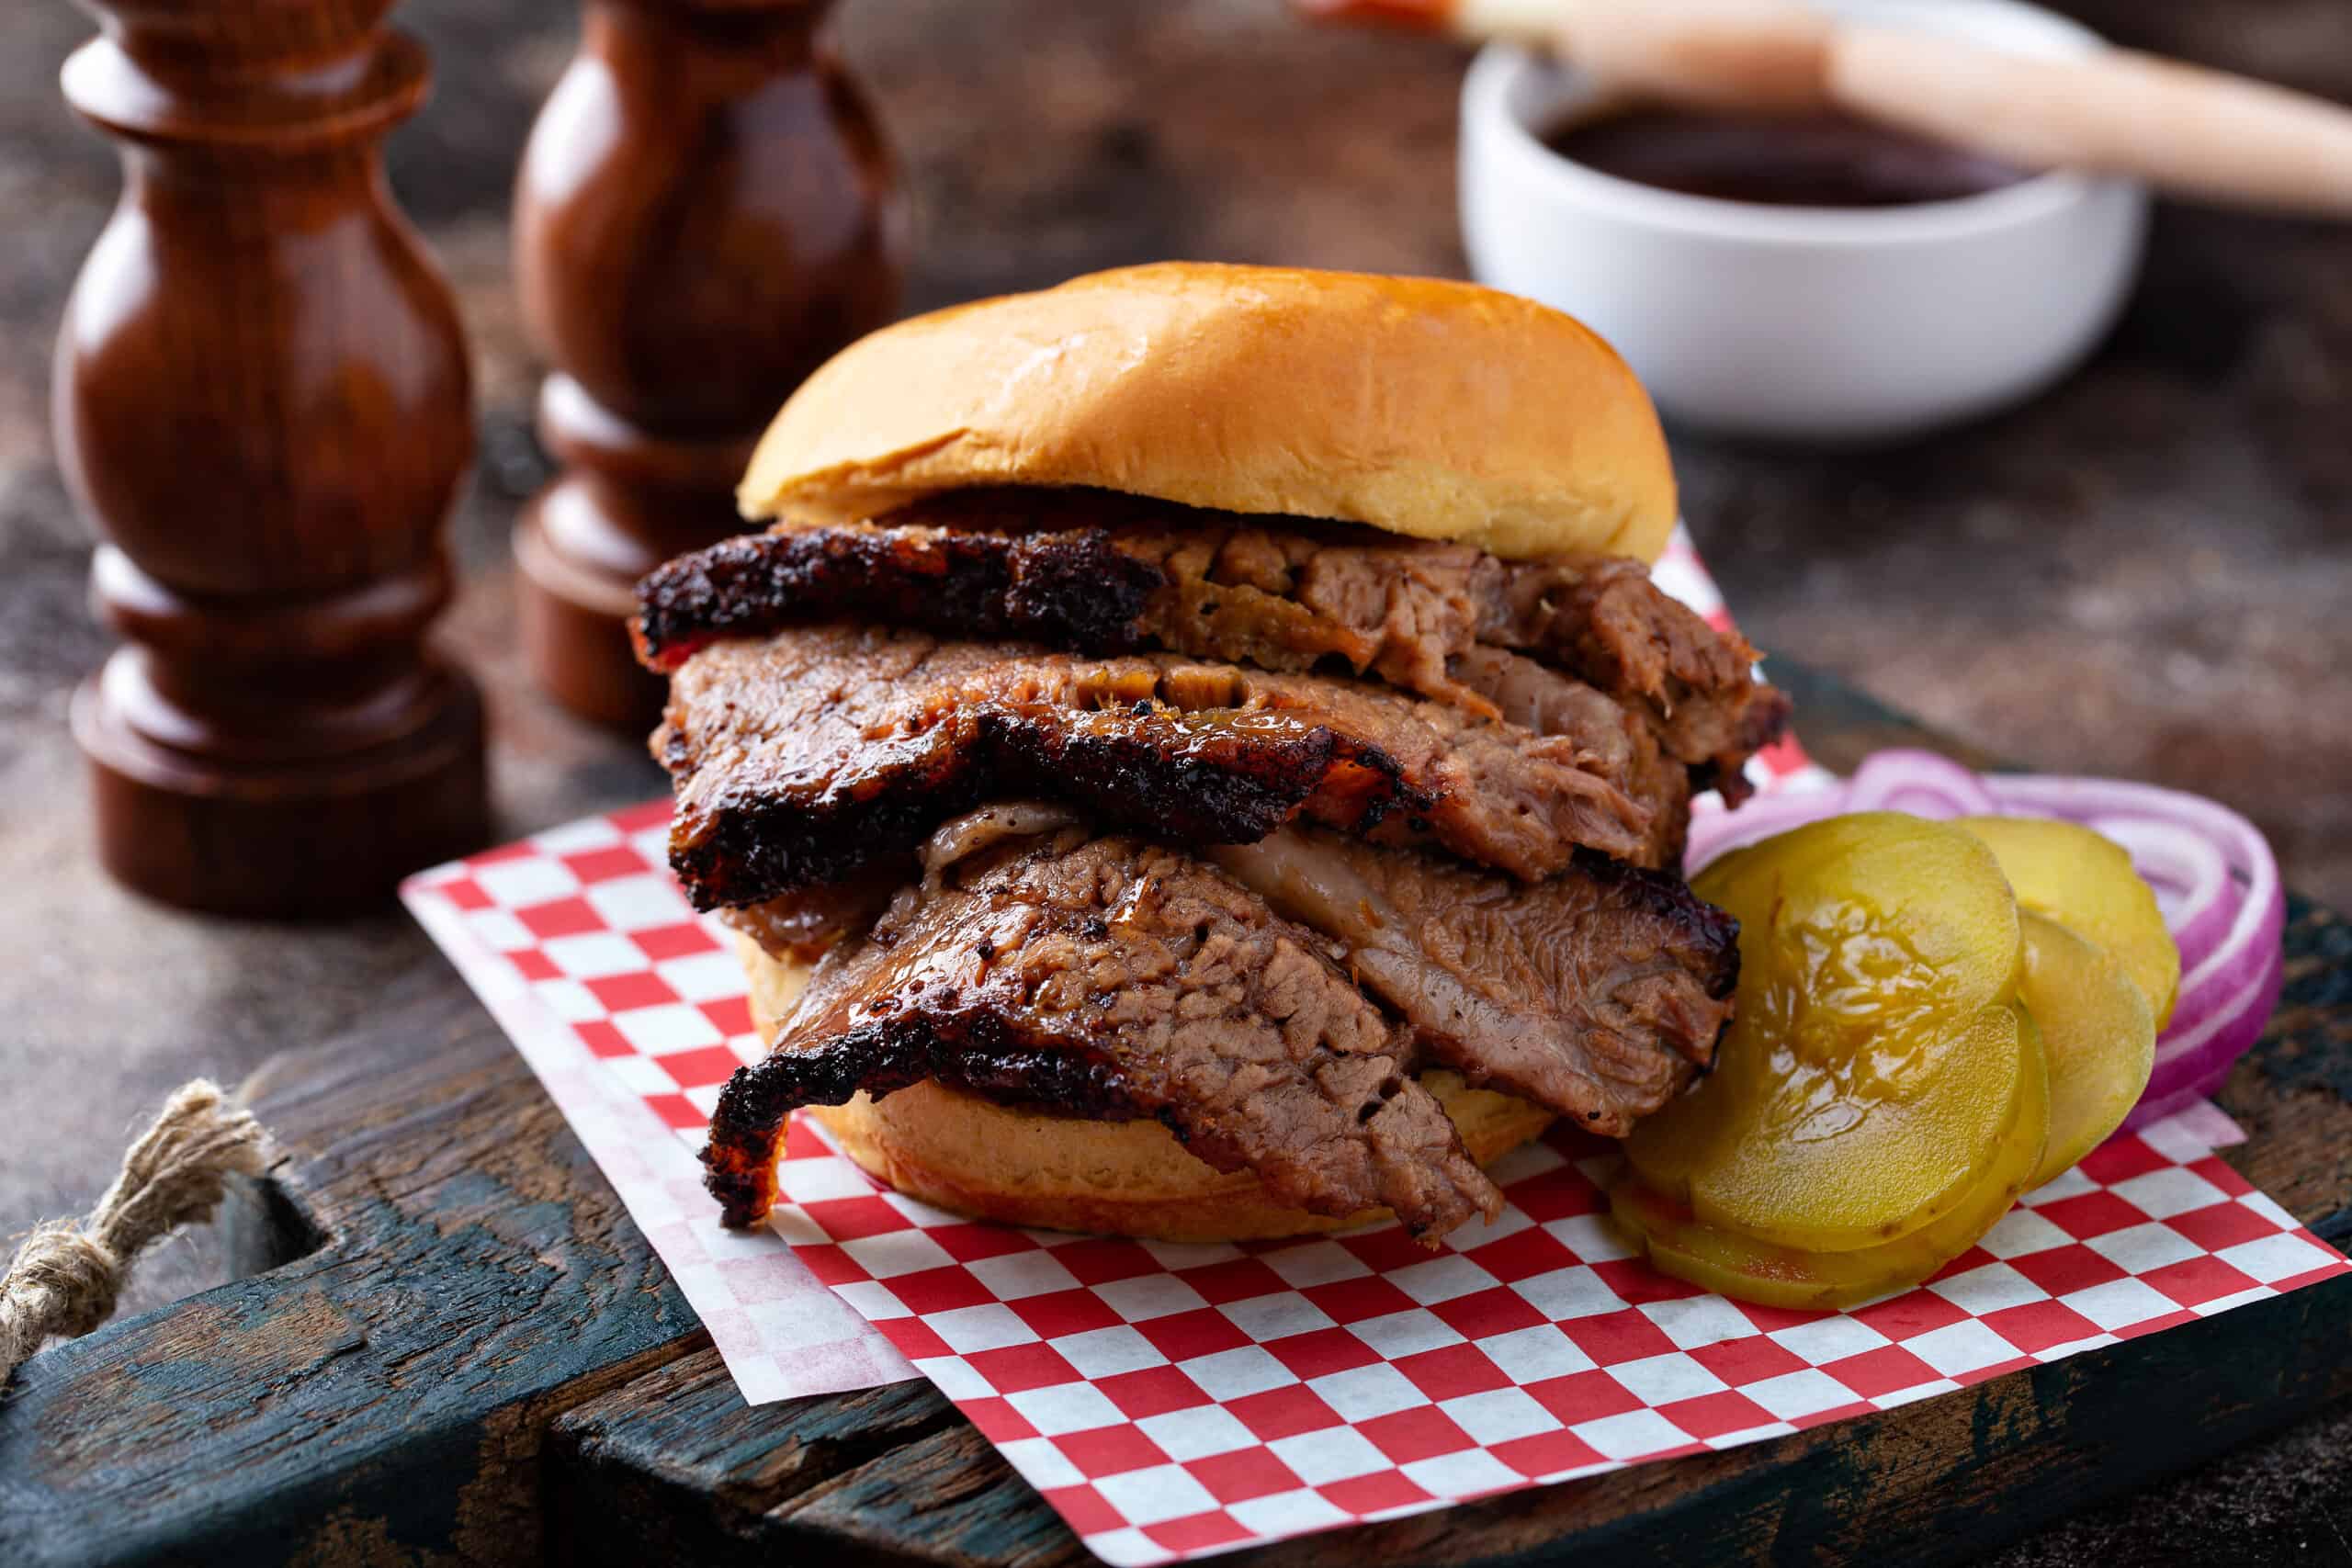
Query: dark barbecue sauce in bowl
<point x="1821" y="160"/>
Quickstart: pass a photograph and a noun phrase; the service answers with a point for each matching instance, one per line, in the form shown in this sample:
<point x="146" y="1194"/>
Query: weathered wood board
<point x="456" y="1348"/>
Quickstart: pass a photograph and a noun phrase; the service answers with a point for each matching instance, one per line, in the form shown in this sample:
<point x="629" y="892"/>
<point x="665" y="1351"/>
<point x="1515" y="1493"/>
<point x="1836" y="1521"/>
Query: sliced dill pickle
<point x="2096" y="1034"/>
<point x="1875" y="1064"/>
<point x="1680" y="1244"/>
<point x="2083" y="881"/>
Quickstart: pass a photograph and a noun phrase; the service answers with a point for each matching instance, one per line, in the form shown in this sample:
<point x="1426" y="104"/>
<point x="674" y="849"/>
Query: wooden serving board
<point x="454" y="1346"/>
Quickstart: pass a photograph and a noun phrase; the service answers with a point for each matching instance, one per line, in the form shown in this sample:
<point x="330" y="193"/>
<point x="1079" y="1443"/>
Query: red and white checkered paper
<point x="633" y="1011"/>
<point x="1177" y="1400"/>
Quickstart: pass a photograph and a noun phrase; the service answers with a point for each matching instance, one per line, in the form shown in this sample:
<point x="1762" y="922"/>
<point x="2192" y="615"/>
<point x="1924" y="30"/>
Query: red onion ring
<point x="2190" y="875"/>
<point x="2214" y="875"/>
<point x="1919" y="783"/>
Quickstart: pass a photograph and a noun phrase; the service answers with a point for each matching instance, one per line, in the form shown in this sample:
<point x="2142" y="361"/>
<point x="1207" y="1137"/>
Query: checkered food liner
<point x="1176" y="1401"/>
<point x="633" y="1011"/>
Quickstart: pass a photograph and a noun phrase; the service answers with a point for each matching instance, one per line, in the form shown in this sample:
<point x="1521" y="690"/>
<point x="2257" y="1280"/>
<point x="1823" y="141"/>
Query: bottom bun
<point x="1105" y="1178"/>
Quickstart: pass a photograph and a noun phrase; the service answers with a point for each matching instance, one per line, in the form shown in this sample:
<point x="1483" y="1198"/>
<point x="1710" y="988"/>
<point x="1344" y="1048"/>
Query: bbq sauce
<point x="1818" y="160"/>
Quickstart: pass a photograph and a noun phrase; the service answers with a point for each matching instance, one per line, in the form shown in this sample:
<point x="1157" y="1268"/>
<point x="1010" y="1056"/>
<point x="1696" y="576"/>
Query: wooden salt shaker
<point x="706" y="212"/>
<point x="263" y="405"/>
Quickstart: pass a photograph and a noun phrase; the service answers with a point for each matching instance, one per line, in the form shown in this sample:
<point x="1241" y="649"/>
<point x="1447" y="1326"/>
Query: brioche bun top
<point x="1434" y="408"/>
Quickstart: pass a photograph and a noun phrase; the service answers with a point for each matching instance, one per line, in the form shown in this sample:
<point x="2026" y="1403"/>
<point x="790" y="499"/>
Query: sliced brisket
<point x="1537" y="698"/>
<point x="1602" y="618"/>
<point x="1112" y="978"/>
<point x="1598" y="993"/>
<point x="1102" y="573"/>
<point x="804" y="757"/>
<point x="806" y="922"/>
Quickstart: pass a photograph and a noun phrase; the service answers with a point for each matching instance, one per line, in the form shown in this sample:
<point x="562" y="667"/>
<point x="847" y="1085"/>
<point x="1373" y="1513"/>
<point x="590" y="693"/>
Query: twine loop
<point x="66" y="1278"/>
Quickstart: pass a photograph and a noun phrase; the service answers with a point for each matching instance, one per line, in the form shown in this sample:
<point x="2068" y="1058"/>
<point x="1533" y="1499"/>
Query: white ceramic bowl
<point x="1803" y="323"/>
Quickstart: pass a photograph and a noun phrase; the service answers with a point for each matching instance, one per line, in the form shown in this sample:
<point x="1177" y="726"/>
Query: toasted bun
<point x="1106" y="1178"/>
<point x="1439" y="409"/>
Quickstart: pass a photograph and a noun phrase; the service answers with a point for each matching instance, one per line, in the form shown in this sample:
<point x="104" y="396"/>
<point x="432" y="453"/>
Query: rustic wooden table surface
<point x="2140" y="574"/>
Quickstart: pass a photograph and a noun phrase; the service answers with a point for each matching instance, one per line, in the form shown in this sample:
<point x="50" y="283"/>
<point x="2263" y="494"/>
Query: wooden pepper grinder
<point x="263" y="405"/>
<point x="704" y="213"/>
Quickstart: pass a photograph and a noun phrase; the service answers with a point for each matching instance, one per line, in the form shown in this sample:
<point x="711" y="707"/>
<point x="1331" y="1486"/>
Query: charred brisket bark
<point x="804" y="758"/>
<point x="1099" y="573"/>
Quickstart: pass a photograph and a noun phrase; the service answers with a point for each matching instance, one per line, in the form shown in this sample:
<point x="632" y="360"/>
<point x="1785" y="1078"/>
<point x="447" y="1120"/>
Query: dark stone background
<point x="2144" y="573"/>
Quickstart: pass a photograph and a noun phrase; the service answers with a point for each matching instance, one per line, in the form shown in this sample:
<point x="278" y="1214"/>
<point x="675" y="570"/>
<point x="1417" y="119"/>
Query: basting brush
<point x="2185" y="128"/>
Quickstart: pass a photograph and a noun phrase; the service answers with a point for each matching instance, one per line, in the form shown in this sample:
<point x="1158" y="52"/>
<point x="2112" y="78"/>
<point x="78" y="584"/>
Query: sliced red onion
<point x="2194" y="887"/>
<point x="2195" y="1042"/>
<point x="1920" y="783"/>
<point x="2215" y="878"/>
<point x="2219" y="1021"/>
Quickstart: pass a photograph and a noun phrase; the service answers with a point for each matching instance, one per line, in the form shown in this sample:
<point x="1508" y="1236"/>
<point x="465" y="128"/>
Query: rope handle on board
<point x="67" y="1277"/>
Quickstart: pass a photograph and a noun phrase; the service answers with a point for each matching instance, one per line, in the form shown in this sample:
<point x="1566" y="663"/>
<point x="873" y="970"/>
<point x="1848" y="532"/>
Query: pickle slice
<point x="2085" y="881"/>
<point x="1875" y="1064"/>
<point x="1680" y="1244"/>
<point x="2096" y="1034"/>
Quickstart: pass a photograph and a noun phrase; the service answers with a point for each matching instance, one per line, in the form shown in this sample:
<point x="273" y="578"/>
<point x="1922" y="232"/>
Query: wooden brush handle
<point x="1728" y="53"/>
<point x="2183" y="128"/>
<point x="2187" y="130"/>
<point x="1767" y="55"/>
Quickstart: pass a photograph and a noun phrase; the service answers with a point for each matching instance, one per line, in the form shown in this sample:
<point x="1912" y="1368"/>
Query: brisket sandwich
<point x="1199" y="756"/>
